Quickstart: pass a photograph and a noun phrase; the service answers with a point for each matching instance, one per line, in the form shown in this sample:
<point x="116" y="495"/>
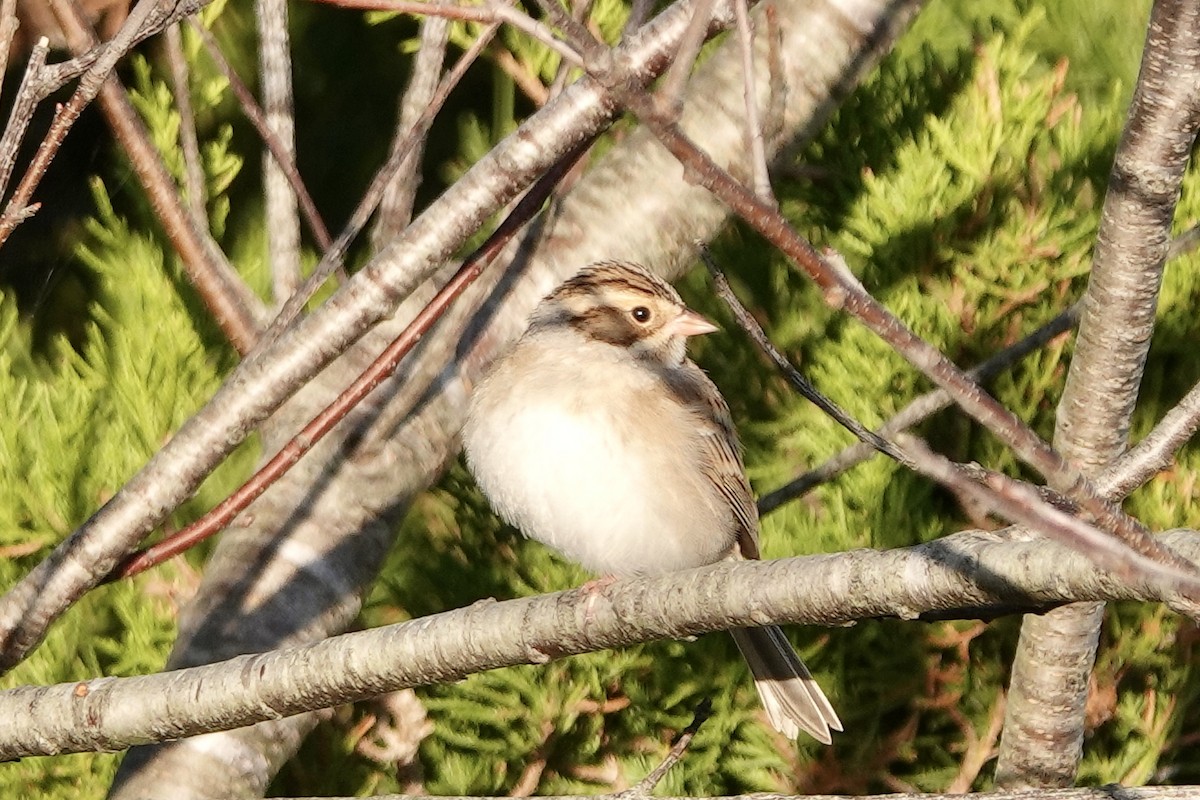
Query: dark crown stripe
<point x="618" y="277"/>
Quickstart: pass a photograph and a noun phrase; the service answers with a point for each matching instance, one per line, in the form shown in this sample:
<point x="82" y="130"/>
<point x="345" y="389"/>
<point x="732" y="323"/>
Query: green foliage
<point x="153" y="100"/>
<point x="963" y="186"/>
<point x="962" y="183"/>
<point x="1005" y="246"/>
<point x="81" y="421"/>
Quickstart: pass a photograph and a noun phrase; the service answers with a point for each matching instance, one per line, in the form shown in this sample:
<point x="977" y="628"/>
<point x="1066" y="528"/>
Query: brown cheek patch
<point x="607" y="325"/>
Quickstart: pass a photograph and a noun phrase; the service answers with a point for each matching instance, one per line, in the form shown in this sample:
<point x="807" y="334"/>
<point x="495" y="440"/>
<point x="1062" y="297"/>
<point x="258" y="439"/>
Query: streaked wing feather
<point x="722" y="457"/>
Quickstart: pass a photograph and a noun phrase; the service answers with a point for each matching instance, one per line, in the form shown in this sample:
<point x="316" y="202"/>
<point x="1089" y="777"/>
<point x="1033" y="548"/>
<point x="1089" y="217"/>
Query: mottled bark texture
<point x="1044" y="726"/>
<point x="971" y="574"/>
<point x="635" y="205"/>
<point x="282" y="210"/>
<point x="265" y="381"/>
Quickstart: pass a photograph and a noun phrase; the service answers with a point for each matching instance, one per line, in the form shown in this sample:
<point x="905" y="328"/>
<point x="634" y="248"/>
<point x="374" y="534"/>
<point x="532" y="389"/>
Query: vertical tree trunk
<point x="1044" y="725"/>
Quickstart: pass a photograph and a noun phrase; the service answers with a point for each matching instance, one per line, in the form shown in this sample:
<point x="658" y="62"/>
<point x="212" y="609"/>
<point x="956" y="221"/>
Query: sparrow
<point x="596" y="435"/>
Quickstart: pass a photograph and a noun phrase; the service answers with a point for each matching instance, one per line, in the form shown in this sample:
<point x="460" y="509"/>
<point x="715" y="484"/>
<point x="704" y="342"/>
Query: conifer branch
<point x="841" y="290"/>
<point x="261" y="384"/>
<point x="1045" y="722"/>
<point x="235" y="309"/>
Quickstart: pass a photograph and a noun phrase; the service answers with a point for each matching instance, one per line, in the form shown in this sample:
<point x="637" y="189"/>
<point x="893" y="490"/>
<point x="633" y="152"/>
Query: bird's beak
<point x="689" y="323"/>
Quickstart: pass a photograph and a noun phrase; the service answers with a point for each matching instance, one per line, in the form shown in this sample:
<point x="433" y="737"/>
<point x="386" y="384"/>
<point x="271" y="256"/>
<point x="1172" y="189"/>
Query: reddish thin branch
<point x="331" y="260"/>
<point x="383" y="366"/>
<point x="234" y="308"/>
<point x="841" y="290"/>
<point x="493" y="13"/>
<point x="254" y="113"/>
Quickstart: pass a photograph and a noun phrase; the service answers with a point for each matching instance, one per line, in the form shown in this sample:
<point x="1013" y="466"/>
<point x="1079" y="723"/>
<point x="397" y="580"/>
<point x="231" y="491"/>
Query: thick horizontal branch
<point x="1109" y="792"/>
<point x="965" y="575"/>
<point x="260" y="384"/>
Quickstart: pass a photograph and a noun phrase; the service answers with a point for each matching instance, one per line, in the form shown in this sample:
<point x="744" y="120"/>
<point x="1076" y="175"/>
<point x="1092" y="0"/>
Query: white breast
<point x="594" y="468"/>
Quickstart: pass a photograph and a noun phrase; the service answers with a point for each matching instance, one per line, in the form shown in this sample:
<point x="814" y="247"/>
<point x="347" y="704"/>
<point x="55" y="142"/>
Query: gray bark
<point x="634" y="205"/>
<point x="970" y="574"/>
<point x="275" y="79"/>
<point x="261" y="384"/>
<point x="1044" y="725"/>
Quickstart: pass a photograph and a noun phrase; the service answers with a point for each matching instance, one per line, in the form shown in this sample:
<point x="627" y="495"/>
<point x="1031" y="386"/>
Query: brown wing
<point x="721" y="453"/>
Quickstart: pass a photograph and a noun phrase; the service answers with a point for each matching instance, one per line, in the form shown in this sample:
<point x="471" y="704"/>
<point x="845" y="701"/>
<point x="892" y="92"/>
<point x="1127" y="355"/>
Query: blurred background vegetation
<point x="962" y="182"/>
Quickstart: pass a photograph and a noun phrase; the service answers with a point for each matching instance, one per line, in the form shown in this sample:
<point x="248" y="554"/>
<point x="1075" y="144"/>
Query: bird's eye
<point x="641" y="314"/>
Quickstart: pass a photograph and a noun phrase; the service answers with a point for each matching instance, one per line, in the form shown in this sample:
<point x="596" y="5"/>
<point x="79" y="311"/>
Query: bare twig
<point x="1107" y="792"/>
<point x="841" y="291"/>
<point x="234" y="307"/>
<point x="194" y="185"/>
<point x="579" y="11"/>
<point x="579" y="36"/>
<point x="259" y="385"/>
<point x="22" y="112"/>
<point x="1185" y="242"/>
<point x="524" y="78"/>
<point x="754" y="132"/>
<point x="980" y="749"/>
<point x="968" y="574"/>
<point x="1155" y="457"/>
<point x="8" y="29"/>
<point x="639" y="12"/>
<point x="647" y="784"/>
<point x="1024" y="504"/>
<point x="332" y="259"/>
<point x="1046" y="717"/>
<point x="275" y="81"/>
<point x="145" y="15"/>
<point x="1011" y="499"/>
<point x="258" y="119"/>
<point x="534" y="29"/>
<point x="798" y="381"/>
<point x="492" y="13"/>
<point x="396" y="207"/>
<point x="670" y="91"/>
<point x="383" y="366"/>
<point x="1156" y="452"/>
<point x="53" y="77"/>
<point x="916" y="411"/>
